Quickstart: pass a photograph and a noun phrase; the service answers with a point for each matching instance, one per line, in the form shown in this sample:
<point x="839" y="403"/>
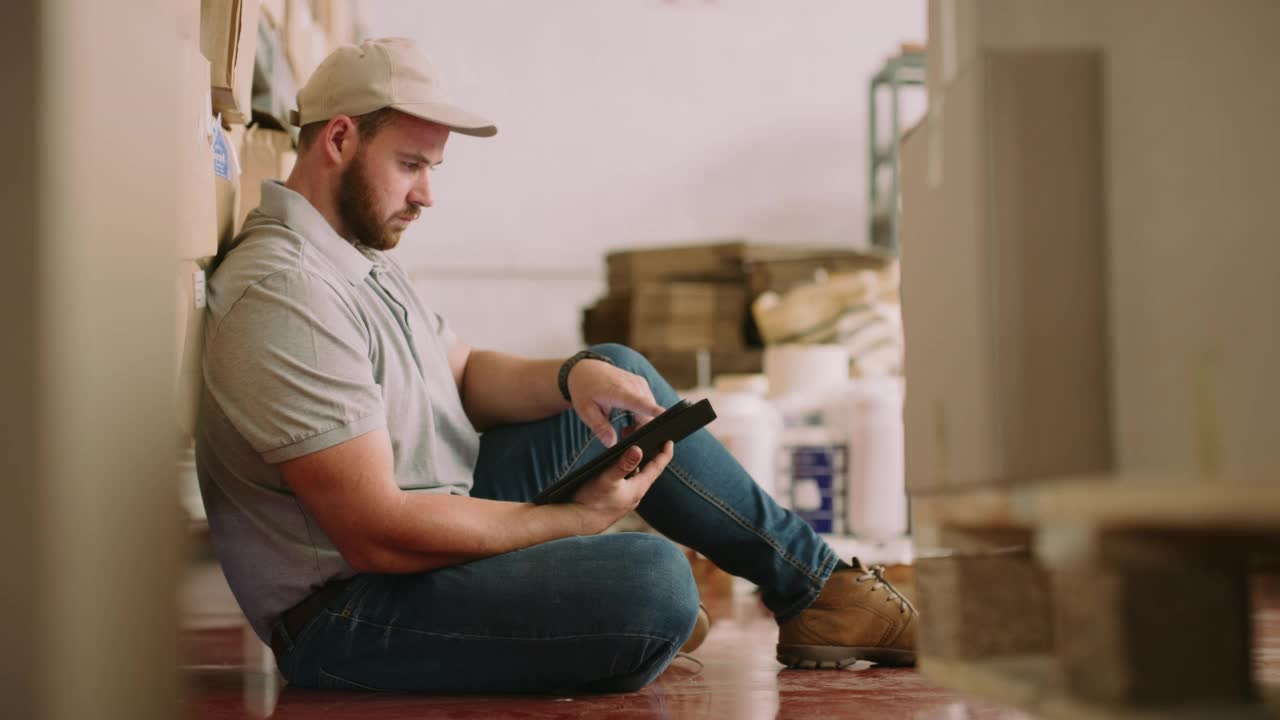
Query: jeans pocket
<point x="328" y="681"/>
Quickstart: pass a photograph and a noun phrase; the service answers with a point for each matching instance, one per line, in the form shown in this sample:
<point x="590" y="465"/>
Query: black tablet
<point x="677" y="423"/>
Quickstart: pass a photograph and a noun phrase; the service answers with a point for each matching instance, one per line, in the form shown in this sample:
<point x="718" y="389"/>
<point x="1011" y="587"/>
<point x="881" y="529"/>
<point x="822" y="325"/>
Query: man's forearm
<point x="430" y="531"/>
<point x="498" y="388"/>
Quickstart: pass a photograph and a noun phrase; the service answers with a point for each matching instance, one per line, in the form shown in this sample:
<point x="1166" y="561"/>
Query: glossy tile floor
<point x="739" y="680"/>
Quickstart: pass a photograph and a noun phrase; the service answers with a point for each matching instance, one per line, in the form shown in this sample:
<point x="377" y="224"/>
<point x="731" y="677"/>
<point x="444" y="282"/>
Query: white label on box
<point x="198" y="298"/>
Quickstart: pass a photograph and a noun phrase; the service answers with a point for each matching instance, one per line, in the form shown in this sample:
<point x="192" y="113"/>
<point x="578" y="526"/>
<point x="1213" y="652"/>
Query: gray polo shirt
<point x="311" y="342"/>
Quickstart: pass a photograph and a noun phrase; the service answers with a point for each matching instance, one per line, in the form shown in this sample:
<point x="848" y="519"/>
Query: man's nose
<point x="420" y="194"/>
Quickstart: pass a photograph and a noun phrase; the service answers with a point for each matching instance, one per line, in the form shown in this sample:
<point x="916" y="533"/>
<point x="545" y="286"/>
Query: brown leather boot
<point x="858" y="616"/>
<point x="700" y="630"/>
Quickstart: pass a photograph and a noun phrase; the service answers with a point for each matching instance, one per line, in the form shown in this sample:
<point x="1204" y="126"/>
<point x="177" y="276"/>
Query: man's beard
<point x="356" y="207"/>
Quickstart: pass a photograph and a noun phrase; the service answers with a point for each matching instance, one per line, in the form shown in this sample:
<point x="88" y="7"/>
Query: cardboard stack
<point x="199" y="196"/>
<point x="1003" y="276"/>
<point x="1165" y="369"/>
<point x="311" y="29"/>
<point x="1089" y="283"/>
<point x="265" y="154"/>
<point x="235" y="46"/>
<point x="229" y="38"/>
<point x="677" y="302"/>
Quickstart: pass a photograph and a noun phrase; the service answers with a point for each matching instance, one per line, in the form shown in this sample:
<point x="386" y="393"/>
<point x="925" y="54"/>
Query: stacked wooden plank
<point x="1091" y="410"/>
<point x="676" y="303"/>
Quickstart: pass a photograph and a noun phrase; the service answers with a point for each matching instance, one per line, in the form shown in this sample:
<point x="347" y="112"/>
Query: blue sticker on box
<point x="221" y="155"/>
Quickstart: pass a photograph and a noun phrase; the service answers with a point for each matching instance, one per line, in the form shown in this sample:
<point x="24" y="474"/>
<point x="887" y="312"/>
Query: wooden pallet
<point x="1093" y="597"/>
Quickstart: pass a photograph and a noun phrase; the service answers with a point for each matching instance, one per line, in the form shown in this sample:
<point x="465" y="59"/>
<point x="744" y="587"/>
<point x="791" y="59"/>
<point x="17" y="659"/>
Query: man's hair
<point x="367" y="126"/>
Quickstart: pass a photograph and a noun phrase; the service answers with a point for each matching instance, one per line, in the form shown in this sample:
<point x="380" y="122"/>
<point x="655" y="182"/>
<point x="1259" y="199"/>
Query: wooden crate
<point x="1098" y="596"/>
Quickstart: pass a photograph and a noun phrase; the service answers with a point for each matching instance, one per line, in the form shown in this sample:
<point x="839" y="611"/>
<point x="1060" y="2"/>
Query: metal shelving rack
<point x="905" y="70"/>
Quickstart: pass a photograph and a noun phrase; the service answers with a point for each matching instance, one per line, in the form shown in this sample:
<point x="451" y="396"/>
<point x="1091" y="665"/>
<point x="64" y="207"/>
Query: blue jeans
<point x="605" y="613"/>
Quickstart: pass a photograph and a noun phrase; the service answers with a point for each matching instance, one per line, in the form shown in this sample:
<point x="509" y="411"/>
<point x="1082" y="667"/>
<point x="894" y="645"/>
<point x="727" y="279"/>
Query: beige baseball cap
<point x="376" y="74"/>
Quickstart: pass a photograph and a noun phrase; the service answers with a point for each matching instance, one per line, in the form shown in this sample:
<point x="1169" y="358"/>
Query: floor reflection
<point x="739" y="679"/>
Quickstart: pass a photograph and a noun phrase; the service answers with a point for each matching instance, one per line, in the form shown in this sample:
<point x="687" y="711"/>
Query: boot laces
<point x="875" y="573"/>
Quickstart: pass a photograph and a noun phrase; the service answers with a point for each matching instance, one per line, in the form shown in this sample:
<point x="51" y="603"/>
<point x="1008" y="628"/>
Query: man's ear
<point x="340" y="139"/>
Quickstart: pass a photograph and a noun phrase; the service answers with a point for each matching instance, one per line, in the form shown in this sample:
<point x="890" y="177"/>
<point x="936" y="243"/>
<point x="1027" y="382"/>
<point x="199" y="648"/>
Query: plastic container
<point x="812" y="476"/>
<point x="805" y="368"/>
<point x="750" y="428"/>
<point x="868" y="413"/>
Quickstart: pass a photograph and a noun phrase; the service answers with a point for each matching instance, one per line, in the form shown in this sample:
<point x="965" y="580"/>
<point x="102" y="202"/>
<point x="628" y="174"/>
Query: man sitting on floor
<point x="367" y="475"/>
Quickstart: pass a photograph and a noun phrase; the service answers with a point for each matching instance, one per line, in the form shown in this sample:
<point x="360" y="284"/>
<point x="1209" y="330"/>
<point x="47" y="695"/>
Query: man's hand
<point x="603" y="500"/>
<point x="598" y="387"/>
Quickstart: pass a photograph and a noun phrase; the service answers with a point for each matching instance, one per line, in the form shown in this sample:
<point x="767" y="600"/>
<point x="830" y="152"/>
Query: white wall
<point x="627" y="123"/>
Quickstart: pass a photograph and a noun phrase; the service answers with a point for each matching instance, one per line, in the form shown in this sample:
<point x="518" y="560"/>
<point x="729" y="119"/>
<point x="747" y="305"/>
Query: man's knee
<point x="659" y="588"/>
<point x="624" y="357"/>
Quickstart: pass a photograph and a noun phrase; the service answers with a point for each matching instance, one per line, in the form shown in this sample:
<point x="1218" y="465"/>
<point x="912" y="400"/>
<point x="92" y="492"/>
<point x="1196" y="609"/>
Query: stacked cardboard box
<point x="676" y="303"/>
<point x="1089" y="284"/>
<point x="222" y="165"/>
<point x="1003" y="276"/>
<point x="1178" y="256"/>
<point x="229" y="38"/>
<point x="265" y="154"/>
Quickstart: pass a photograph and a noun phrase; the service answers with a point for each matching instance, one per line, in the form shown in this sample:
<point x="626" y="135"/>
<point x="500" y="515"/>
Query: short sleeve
<point x="443" y="331"/>
<point x="289" y="367"/>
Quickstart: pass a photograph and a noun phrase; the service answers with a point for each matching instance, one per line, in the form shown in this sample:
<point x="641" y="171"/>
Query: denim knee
<point x="625" y="358"/>
<point x="659" y="589"/>
<point x="660" y="599"/>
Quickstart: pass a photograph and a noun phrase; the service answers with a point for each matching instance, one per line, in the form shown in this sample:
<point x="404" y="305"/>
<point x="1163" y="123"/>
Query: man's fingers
<point x="637" y="397"/>
<point x="650" y="408"/>
<point x="599" y="423"/>
<point x="631" y="460"/>
<point x="654" y="468"/>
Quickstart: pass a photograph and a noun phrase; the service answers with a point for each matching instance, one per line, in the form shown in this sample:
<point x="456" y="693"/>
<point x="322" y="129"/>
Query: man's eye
<point x="412" y="166"/>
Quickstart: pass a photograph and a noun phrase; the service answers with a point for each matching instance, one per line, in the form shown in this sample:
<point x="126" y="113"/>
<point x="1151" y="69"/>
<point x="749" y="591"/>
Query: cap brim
<point x="451" y="116"/>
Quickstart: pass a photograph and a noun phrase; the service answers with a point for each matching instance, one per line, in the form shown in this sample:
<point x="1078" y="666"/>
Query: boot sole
<point x="834" y="657"/>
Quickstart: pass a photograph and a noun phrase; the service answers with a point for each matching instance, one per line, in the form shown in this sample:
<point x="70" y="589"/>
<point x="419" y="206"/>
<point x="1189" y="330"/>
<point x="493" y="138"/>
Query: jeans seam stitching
<point x="794" y="562"/>
<point x="468" y="636"/>
<point x="345" y="681"/>
<point x="803" y="603"/>
<point x="582" y="450"/>
<point x="357" y="592"/>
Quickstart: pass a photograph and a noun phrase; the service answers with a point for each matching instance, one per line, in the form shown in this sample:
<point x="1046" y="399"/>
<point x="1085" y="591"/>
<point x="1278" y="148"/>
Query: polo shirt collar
<point x="301" y="216"/>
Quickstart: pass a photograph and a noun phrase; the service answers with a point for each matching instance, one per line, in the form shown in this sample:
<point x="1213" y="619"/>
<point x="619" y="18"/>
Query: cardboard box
<point x="761" y="267"/>
<point x="228" y="38"/>
<point x="275" y="88"/>
<point x="337" y="18"/>
<point x="680" y="367"/>
<point x="265" y="155"/>
<point x="1003" y="276"/>
<point x="1195" y="262"/>
<point x="688" y="316"/>
<point x="299" y="39"/>
<point x="196" y="206"/>
<point x="961" y="30"/>
<point x="273" y="11"/>
<point x="608" y="320"/>
<point x="1191" y="254"/>
<point x="226" y="181"/>
<point x="189" y="334"/>
<point x="671" y="316"/>
<point x="715" y="261"/>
